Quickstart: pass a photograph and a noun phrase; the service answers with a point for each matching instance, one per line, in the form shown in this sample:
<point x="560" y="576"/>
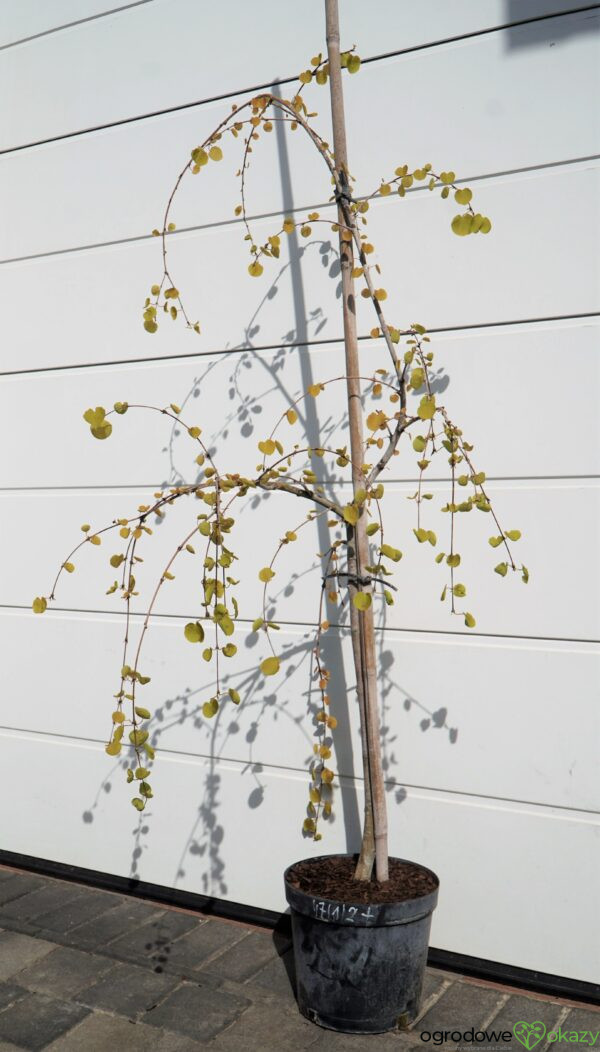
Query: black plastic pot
<point x="359" y="969"/>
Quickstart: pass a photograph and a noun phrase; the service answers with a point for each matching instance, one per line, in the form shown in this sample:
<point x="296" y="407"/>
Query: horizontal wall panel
<point x="237" y="397"/>
<point x="123" y="79"/>
<point x="214" y="845"/>
<point x="459" y="715"/>
<point x="91" y="302"/>
<point x="115" y="184"/>
<point x="559" y="522"/>
<point x="431" y="20"/>
<point x="29" y="18"/>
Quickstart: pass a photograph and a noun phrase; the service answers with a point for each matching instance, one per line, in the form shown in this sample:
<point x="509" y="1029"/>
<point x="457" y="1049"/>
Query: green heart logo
<point x="529" y="1034"/>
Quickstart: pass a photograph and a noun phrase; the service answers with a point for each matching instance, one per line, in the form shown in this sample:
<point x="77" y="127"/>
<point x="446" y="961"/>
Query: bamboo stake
<point x="374" y="843"/>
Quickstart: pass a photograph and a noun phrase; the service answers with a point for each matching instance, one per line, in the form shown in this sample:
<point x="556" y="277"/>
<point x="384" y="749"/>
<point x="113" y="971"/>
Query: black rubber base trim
<point x="527" y="979"/>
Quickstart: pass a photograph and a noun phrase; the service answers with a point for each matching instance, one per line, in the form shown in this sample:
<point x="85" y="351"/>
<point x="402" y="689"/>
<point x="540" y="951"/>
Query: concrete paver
<point x="34" y="1021"/>
<point x="19" y="884"/>
<point x="197" y="1011"/>
<point x="100" y="1032"/>
<point x="87" y="904"/>
<point x="151" y="943"/>
<point x="461" y="1007"/>
<point x="127" y="990"/>
<point x="9" y="993"/>
<point x="115" y="922"/>
<point x="64" y="972"/>
<point x="278" y="977"/>
<point x="245" y="958"/>
<point x="188" y="954"/>
<point x="268" y="1026"/>
<point x="28" y="907"/>
<point x="18" y="950"/>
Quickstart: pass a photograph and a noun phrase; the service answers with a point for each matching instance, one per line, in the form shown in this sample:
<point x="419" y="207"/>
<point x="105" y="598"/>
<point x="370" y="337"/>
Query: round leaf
<point x="270" y="666"/>
<point x="210" y="708"/>
<point x="194" y="632"/>
<point x="362" y="600"/>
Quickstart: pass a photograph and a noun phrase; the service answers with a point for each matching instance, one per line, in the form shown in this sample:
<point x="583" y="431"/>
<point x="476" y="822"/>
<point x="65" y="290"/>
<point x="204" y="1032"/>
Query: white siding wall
<point x="490" y="736"/>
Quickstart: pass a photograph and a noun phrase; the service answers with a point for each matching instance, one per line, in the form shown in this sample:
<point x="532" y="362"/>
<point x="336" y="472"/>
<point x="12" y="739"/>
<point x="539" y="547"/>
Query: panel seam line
<point x="256" y="348"/>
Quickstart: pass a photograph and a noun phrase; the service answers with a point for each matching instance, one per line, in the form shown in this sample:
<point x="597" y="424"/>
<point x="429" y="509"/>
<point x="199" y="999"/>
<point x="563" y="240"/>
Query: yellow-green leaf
<point x="426" y="407"/>
<point x="194" y="632"/>
<point x="462" y="224"/>
<point x="470" y="621"/>
<point x="144" y="714"/>
<point x="39" y="605"/>
<point x="270" y="666"/>
<point x="266" y="574"/>
<point x="210" y="708"/>
<point x="233" y="694"/>
<point x="362" y="600"/>
<point x="391" y="553"/>
<point x="255" y="269"/>
<point x="377" y="420"/>
<point x="350" y="513"/>
<point x="138" y="737"/>
<point x="267" y="447"/>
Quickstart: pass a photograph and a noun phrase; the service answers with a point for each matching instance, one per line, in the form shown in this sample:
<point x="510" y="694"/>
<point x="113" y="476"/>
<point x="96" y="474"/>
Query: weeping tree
<point x="359" y="558"/>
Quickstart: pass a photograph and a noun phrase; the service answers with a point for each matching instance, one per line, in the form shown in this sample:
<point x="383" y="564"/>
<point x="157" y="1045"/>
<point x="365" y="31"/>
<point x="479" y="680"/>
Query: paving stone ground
<point x="83" y="970"/>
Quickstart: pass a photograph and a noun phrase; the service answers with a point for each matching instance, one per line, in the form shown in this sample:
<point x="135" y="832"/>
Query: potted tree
<point x="360" y="924"/>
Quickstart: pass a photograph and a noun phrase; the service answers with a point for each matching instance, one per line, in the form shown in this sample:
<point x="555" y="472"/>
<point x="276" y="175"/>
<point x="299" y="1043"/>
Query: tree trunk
<point x="374" y="842"/>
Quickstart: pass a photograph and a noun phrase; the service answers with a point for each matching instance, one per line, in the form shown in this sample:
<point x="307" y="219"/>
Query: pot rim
<point x="347" y="913"/>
